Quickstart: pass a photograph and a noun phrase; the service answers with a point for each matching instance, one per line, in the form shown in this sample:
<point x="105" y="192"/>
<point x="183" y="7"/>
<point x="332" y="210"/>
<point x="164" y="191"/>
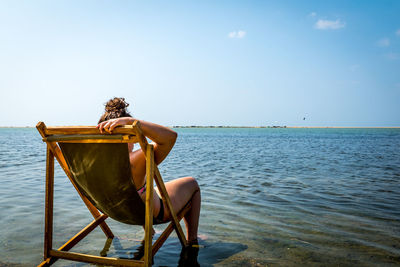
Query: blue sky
<point x="336" y="63"/>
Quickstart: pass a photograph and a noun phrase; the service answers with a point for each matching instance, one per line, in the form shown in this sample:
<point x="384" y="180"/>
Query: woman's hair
<point x="115" y="108"/>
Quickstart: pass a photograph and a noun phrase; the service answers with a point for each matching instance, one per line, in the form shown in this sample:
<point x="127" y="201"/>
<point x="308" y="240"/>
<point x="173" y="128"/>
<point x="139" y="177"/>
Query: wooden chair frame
<point x="90" y="134"/>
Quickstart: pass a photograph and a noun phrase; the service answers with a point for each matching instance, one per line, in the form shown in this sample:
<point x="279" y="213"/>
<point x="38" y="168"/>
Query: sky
<point x="241" y="63"/>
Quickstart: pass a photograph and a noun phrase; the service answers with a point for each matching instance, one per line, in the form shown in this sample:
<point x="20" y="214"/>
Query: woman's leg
<point x="180" y="192"/>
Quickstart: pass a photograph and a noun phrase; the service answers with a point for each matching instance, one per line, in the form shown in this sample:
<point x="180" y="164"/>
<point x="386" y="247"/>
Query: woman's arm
<point x="163" y="137"/>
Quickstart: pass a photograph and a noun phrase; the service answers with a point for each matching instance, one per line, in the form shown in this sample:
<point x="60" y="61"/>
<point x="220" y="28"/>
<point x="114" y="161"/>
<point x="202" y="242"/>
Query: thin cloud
<point x="392" y="56"/>
<point x="237" y="34"/>
<point x="312" y="14"/>
<point x="398" y="32"/>
<point x="384" y="42"/>
<point x="241" y="34"/>
<point x="323" y="24"/>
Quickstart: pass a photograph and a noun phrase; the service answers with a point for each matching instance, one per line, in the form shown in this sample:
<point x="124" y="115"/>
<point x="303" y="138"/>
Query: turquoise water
<point x="269" y="197"/>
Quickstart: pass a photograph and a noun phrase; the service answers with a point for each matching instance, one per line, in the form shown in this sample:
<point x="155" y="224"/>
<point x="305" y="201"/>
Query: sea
<point x="270" y="197"/>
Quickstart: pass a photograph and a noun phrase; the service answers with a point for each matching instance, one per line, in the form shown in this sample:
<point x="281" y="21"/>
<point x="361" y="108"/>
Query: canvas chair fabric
<point x="102" y="173"/>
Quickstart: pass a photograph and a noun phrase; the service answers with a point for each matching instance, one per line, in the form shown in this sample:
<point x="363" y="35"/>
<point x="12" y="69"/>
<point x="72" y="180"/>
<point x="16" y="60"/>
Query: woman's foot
<point x="189" y="254"/>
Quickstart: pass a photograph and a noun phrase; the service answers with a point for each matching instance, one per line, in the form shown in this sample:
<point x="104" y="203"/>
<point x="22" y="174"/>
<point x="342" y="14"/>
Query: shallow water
<point x="269" y="197"/>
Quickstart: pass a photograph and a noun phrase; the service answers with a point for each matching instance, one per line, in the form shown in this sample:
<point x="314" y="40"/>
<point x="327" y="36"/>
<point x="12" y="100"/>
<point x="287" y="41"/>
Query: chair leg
<point x="48" y="228"/>
<point x="148" y="255"/>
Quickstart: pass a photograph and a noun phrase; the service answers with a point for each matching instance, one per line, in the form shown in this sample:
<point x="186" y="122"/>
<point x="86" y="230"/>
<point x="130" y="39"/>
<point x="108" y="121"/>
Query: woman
<point x="180" y="190"/>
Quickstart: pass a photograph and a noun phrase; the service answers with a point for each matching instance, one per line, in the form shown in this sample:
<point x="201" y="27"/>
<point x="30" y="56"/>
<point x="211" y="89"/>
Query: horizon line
<point x="266" y="126"/>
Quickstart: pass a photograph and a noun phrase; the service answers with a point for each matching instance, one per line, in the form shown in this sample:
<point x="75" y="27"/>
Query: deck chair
<point x="98" y="167"/>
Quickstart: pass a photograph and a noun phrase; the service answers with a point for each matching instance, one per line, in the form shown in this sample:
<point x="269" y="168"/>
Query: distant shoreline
<point x="295" y="127"/>
<point x="254" y="127"/>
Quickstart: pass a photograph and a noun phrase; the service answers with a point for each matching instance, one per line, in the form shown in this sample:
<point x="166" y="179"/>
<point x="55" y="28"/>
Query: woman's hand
<point x="109" y="125"/>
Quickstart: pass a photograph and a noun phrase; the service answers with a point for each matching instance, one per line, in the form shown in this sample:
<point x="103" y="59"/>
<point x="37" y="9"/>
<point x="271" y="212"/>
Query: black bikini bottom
<point x="160" y="217"/>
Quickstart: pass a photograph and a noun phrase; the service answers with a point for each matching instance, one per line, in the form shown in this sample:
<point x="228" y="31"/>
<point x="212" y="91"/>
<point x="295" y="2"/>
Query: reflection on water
<point x="269" y="197"/>
<point x="207" y="253"/>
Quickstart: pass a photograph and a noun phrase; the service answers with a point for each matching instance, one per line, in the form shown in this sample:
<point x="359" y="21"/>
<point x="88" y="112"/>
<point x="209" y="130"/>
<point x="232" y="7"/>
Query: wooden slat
<point x="77" y="137"/>
<point x="95" y="259"/>
<point x="45" y="263"/>
<point x="65" y="139"/>
<point x="48" y="224"/>
<point x="149" y="205"/>
<point x="99" y="141"/>
<point x="50" y="130"/>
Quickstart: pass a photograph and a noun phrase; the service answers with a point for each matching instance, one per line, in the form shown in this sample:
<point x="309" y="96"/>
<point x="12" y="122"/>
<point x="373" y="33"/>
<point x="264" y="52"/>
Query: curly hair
<point x="115" y="108"/>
